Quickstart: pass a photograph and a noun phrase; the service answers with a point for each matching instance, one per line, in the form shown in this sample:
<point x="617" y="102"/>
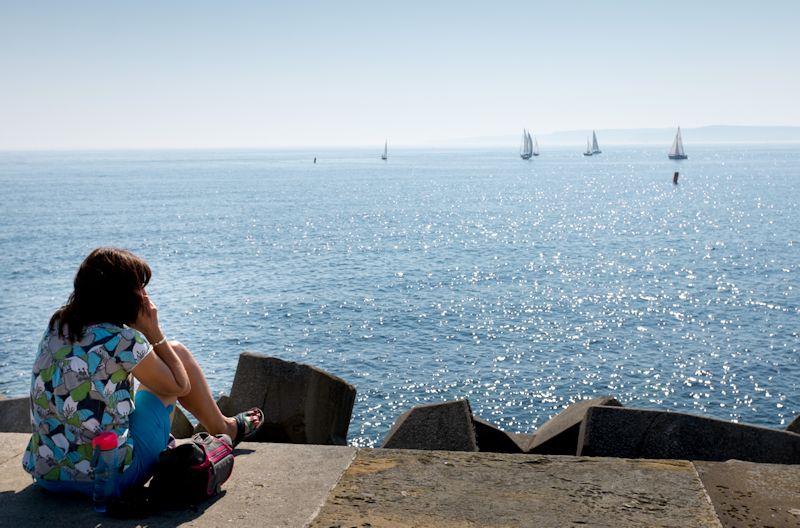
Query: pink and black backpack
<point x="193" y="471"/>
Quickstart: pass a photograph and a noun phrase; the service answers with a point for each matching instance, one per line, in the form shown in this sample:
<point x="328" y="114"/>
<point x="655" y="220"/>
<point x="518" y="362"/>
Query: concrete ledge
<point x="12" y="445"/>
<point x="748" y="494"/>
<point x="286" y="485"/>
<point x="273" y="485"/>
<point x="404" y="488"/>
<point x="644" y="433"/>
<point x="15" y="415"/>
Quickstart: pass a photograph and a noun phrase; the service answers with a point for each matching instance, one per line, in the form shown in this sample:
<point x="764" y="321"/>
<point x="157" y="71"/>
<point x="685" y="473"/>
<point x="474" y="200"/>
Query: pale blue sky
<point x="271" y="74"/>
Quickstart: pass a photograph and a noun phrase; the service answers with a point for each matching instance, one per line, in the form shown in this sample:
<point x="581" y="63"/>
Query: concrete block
<point x="492" y="439"/>
<point x="302" y="404"/>
<point x="181" y="426"/>
<point x="641" y="433"/>
<point x="523" y="440"/>
<point x="748" y="494"/>
<point x="794" y="427"/>
<point x="224" y="404"/>
<point x="559" y="435"/>
<point x="12" y="445"/>
<point x="425" y="489"/>
<point x="15" y="415"/>
<point x="272" y="486"/>
<point x="439" y="426"/>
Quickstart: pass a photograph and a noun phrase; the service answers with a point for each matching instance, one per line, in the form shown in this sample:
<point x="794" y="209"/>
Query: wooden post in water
<point x="675" y="177"/>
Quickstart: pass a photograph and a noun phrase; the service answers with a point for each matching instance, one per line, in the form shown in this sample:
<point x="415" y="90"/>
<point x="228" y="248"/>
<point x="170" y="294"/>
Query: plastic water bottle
<point x="106" y="469"/>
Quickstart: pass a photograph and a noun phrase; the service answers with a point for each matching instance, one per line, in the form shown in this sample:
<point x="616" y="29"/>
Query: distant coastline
<point x="705" y="135"/>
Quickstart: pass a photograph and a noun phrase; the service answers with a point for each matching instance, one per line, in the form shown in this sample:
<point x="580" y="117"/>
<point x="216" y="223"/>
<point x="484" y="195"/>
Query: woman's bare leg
<point x="200" y="401"/>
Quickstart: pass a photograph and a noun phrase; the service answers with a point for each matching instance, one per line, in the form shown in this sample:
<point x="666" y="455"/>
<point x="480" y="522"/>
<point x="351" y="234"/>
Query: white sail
<point x="535" y="147"/>
<point x="385" y="154"/>
<point x="527" y="146"/>
<point x="595" y="146"/>
<point x="677" y="146"/>
<point x="524" y="144"/>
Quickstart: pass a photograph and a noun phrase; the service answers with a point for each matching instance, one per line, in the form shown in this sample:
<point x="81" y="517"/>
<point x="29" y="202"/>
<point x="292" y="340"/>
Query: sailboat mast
<point x="595" y="146"/>
<point x="522" y="147"/>
<point x="676" y="152"/>
<point x="525" y="148"/>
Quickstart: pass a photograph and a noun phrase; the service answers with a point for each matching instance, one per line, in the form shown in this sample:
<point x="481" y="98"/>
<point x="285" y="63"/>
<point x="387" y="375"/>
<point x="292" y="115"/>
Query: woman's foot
<point x="244" y="425"/>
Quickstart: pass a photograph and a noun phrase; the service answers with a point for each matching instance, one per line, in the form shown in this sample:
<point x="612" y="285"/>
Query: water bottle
<point x="106" y="469"/>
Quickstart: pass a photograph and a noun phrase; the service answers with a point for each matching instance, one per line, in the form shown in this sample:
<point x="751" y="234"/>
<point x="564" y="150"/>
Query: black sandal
<point x="245" y="425"/>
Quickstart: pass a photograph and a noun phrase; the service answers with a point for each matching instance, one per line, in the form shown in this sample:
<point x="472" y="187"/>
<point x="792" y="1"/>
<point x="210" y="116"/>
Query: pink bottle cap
<point x="105" y="441"/>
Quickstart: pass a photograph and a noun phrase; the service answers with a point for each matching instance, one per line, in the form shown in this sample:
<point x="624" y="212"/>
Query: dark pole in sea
<point x="675" y="177"/>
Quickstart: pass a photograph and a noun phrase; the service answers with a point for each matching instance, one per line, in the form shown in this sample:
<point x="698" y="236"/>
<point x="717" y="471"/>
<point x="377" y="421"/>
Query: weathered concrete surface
<point x="523" y="440"/>
<point x="283" y="485"/>
<point x="559" y="435"/>
<point x="273" y="485"/>
<point x="15" y="415"/>
<point x="492" y="439"/>
<point x="641" y="433"/>
<point x="794" y="427"/>
<point x="753" y="495"/>
<point x="181" y="426"/>
<point x="225" y="407"/>
<point x="302" y="404"/>
<point x="402" y="488"/>
<point x="446" y="426"/>
<point x="12" y="445"/>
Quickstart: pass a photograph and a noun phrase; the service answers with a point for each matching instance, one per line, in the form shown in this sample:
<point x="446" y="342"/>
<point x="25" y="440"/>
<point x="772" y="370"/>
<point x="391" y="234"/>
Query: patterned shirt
<point x="77" y="391"/>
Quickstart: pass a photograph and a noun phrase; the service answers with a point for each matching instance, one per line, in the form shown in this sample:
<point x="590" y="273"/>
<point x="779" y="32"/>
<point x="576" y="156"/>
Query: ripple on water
<point x="522" y="286"/>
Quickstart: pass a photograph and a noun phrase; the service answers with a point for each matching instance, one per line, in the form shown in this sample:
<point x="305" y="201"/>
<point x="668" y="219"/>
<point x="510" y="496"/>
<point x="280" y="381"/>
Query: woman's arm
<point x="161" y="371"/>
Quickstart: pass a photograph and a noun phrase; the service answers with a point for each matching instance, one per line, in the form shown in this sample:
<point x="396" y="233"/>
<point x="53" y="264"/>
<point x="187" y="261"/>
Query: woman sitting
<point x="82" y="383"/>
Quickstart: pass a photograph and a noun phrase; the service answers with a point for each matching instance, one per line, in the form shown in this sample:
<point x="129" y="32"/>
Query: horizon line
<point x="447" y="143"/>
<point x="400" y="146"/>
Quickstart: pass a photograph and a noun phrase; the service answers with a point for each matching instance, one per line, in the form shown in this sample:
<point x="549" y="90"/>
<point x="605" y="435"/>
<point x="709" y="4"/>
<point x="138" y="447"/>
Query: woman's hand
<point x="147" y="321"/>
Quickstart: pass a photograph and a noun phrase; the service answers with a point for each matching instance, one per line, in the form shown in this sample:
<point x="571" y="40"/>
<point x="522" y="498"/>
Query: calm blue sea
<point x="522" y="286"/>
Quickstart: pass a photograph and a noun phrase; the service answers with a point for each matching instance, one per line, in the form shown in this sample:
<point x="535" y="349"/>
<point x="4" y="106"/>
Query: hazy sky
<point x="114" y="74"/>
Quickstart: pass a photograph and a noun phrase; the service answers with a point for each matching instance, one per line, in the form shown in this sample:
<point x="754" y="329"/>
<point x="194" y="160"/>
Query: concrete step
<point x="286" y="485"/>
<point x="402" y="488"/>
<point x="273" y="485"/>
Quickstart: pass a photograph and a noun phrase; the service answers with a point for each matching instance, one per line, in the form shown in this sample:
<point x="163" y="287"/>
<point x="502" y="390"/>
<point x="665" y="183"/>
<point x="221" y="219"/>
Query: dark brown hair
<point x="106" y="291"/>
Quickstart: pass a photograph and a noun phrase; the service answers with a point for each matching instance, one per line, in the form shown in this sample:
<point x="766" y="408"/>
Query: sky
<point x="113" y="74"/>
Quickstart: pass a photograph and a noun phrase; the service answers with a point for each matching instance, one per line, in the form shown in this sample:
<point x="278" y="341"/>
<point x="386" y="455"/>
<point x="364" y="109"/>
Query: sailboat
<point x="595" y="146"/>
<point x="676" y="152"/>
<point x="526" y="149"/>
<point x="385" y="154"/>
<point x="535" y="147"/>
<point x="588" y="148"/>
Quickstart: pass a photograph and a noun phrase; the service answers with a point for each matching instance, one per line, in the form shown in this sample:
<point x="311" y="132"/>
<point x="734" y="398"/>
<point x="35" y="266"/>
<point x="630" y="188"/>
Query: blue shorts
<point x="149" y="427"/>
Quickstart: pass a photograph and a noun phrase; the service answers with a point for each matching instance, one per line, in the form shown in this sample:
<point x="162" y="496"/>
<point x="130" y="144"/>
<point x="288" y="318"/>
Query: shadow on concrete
<point x="34" y="506"/>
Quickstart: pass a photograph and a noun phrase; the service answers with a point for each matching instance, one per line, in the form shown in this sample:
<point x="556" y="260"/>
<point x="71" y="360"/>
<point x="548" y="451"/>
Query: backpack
<point x="186" y="474"/>
<point x="193" y="471"/>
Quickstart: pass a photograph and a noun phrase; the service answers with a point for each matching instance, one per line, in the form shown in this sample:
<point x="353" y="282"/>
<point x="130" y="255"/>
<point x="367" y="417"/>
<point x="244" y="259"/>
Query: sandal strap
<point x="245" y="426"/>
<point x="249" y="425"/>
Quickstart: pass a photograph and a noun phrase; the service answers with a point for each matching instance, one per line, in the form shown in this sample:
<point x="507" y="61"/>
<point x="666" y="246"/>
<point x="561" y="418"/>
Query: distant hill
<point x="639" y="136"/>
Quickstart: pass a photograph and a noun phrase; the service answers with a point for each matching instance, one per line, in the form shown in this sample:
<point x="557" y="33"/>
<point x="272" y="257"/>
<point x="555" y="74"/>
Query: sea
<point x="520" y="285"/>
